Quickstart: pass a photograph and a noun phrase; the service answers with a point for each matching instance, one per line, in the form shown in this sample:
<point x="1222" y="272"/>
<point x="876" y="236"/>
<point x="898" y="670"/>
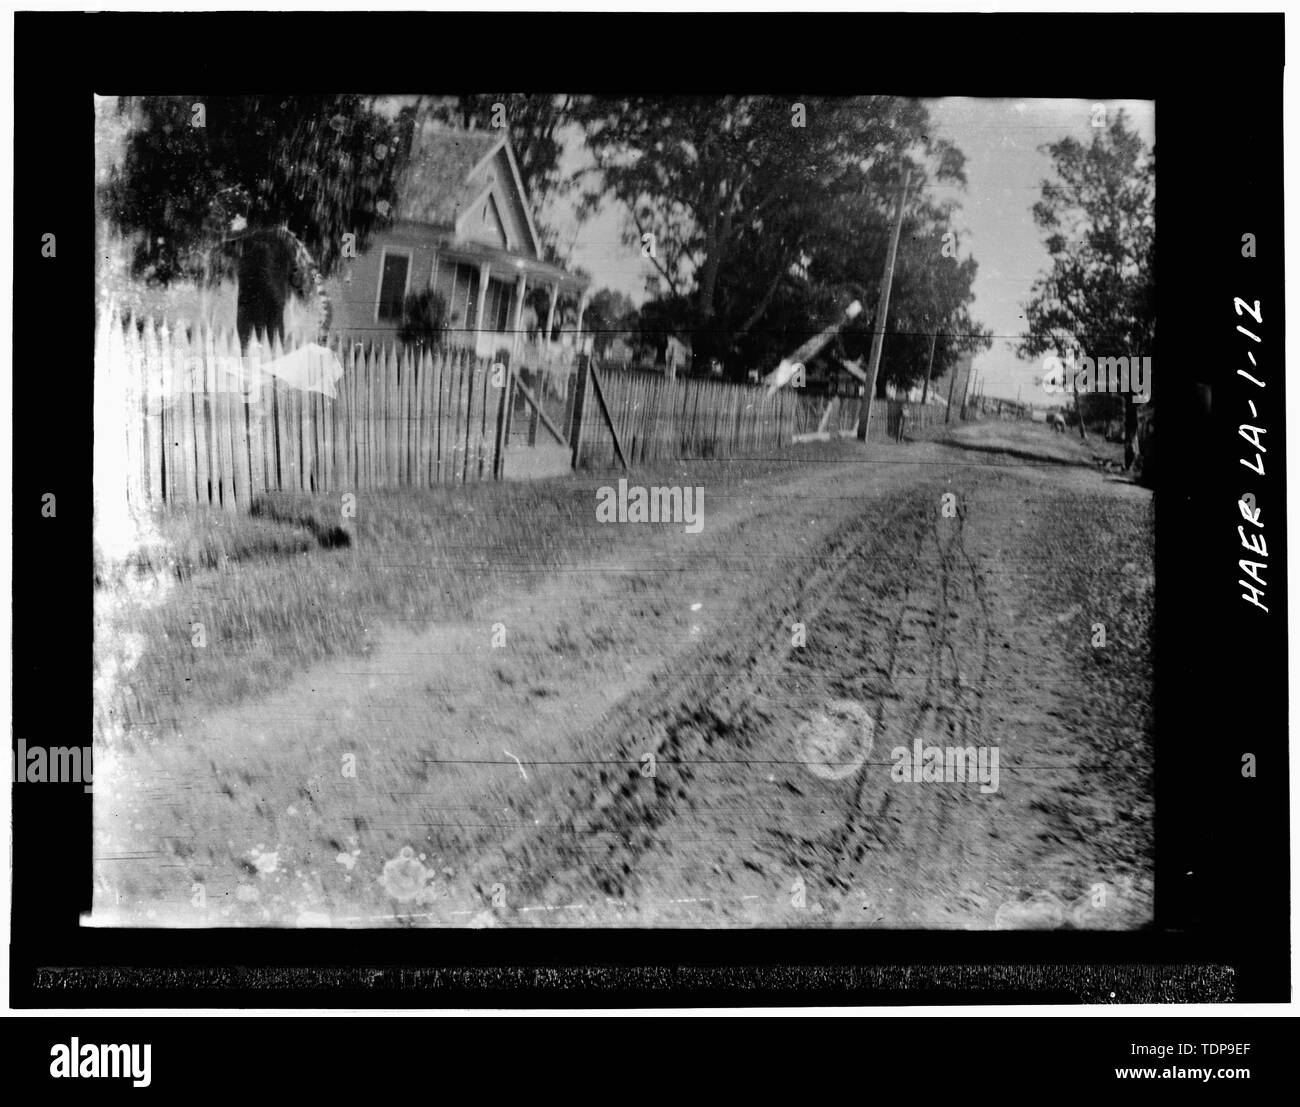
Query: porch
<point x="488" y="292"/>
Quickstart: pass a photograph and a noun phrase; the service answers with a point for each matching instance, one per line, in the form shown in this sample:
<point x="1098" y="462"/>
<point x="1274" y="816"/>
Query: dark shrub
<point x="424" y="319"/>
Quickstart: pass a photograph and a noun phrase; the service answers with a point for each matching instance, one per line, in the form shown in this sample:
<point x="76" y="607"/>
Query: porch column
<point x="582" y="309"/>
<point x="550" y="315"/>
<point x="484" y="275"/>
<point x="521" y="289"/>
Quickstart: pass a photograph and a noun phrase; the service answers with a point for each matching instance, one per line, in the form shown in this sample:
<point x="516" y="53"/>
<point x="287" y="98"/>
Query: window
<point x="394" y="274"/>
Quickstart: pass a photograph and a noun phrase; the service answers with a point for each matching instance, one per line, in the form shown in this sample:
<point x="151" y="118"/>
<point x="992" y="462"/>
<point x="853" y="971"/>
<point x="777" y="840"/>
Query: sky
<point x="596" y="244"/>
<point x="1004" y="171"/>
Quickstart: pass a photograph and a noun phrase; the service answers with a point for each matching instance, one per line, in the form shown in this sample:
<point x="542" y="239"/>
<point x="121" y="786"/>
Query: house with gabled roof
<point x="464" y="228"/>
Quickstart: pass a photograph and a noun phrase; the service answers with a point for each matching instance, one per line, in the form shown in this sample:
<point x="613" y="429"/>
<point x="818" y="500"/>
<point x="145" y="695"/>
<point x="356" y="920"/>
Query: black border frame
<point x="1222" y="841"/>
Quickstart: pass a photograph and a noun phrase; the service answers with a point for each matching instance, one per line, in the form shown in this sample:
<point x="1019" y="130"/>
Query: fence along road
<point x="183" y="418"/>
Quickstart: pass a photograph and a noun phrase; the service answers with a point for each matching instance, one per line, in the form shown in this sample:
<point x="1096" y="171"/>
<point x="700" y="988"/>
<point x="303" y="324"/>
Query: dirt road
<point x="709" y="729"/>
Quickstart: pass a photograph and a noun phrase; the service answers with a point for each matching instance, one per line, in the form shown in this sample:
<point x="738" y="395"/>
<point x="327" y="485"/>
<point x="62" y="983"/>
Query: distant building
<point x="619" y="352"/>
<point x="677" y="356"/>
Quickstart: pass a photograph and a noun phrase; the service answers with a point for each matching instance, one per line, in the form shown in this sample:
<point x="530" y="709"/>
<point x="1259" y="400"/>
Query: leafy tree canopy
<point x="319" y="166"/>
<point x="1098" y="221"/>
<point x="766" y="215"/>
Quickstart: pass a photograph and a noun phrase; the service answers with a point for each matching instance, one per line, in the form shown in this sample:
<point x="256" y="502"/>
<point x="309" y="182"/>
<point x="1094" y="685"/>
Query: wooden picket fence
<point x="657" y="418"/>
<point x="185" y="418"/>
<point x="203" y="425"/>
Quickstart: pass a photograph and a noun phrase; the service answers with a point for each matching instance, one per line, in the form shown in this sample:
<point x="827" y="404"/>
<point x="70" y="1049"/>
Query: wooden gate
<point x="534" y="426"/>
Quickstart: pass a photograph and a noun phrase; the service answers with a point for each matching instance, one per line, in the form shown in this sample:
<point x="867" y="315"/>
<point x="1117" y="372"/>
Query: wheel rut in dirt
<point x="940" y="632"/>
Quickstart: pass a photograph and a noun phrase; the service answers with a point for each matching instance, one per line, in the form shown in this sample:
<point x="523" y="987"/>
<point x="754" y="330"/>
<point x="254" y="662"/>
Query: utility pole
<point x="952" y="384"/>
<point x="882" y="312"/>
<point x="925" y="392"/>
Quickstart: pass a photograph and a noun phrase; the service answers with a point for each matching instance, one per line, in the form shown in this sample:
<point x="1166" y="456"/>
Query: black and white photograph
<point x="545" y="509"/>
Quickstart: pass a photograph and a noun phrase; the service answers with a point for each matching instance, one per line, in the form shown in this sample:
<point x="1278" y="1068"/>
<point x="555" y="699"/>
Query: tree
<point x="609" y="315"/>
<point x="272" y="191"/>
<point x="761" y="211"/>
<point x="1099" y="221"/>
<point x="661" y="319"/>
<point x="930" y="325"/>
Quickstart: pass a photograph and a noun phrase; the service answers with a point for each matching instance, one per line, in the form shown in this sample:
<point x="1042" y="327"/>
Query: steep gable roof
<point x="436" y="187"/>
<point x="447" y="175"/>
